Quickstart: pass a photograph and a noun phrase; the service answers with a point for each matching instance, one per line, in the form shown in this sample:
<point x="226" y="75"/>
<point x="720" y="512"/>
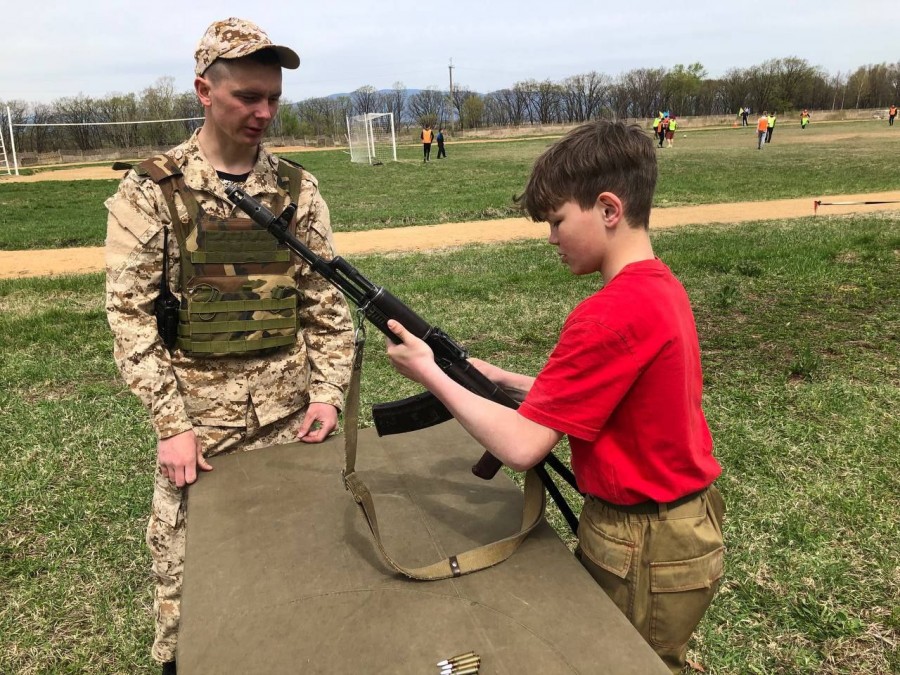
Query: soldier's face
<point x="243" y="101"/>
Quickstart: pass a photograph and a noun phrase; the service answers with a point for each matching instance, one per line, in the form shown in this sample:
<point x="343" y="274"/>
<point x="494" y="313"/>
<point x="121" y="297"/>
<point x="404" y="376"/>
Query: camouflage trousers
<point x="660" y="564"/>
<point x="166" y="530"/>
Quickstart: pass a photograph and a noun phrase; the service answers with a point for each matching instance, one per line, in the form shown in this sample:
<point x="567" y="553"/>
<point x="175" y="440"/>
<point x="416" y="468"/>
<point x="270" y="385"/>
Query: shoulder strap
<point x="290" y="174"/>
<point x="163" y="171"/>
<point x="456" y="565"/>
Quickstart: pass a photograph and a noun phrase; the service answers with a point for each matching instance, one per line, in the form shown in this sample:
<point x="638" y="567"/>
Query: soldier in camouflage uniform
<point x="256" y="382"/>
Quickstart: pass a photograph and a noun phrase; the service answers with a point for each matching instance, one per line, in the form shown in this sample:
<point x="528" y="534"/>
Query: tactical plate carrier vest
<point x="238" y="291"/>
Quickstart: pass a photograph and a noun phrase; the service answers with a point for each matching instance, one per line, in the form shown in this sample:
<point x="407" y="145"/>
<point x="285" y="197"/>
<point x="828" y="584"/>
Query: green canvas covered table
<point x="282" y="575"/>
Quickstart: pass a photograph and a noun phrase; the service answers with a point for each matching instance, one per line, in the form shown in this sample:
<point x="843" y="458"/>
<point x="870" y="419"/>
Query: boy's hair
<point x="600" y="156"/>
<point x="220" y="67"/>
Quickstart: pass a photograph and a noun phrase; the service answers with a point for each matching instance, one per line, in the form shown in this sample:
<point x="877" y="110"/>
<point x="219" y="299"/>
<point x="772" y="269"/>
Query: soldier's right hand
<point x="179" y="456"/>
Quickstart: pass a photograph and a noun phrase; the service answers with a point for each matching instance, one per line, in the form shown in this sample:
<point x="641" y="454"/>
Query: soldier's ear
<point x="202" y="88"/>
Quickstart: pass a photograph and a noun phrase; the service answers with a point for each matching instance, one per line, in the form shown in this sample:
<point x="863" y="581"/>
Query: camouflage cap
<point x="233" y="38"/>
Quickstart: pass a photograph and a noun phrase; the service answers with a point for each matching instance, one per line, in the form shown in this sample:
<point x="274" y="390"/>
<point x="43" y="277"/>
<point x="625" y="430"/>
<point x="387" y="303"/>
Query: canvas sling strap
<point x="456" y="565"/>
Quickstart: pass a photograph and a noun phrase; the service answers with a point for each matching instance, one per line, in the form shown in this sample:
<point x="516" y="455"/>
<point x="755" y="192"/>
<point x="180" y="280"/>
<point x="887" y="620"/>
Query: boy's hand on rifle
<point x="412" y="358"/>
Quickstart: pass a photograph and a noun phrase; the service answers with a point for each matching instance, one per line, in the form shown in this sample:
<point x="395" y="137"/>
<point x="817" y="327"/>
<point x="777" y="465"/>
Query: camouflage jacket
<point x="181" y="390"/>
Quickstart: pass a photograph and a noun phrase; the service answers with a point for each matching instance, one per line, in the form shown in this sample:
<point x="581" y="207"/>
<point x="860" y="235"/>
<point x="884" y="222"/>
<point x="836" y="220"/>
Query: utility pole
<point x="451" y="88"/>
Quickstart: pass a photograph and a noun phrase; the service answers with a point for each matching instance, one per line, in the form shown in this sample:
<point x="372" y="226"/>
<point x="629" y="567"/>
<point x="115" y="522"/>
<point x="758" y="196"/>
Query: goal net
<point x="371" y="137"/>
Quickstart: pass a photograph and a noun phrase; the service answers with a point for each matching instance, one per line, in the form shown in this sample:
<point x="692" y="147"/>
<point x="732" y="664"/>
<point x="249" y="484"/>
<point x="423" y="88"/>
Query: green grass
<point x="799" y="331"/>
<point x="478" y="181"/>
<point x="53" y="214"/>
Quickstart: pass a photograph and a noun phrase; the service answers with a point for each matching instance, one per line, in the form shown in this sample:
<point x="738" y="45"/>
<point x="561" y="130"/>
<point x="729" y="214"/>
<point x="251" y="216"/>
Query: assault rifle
<point x="379" y="306"/>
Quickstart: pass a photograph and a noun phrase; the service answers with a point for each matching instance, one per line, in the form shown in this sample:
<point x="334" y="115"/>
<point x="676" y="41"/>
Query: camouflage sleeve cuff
<point x="168" y="427"/>
<point x="322" y="392"/>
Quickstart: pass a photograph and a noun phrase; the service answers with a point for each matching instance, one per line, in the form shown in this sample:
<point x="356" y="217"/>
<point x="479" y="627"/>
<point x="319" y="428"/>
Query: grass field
<point x="478" y="181"/>
<point x="801" y="364"/>
<point x="799" y="326"/>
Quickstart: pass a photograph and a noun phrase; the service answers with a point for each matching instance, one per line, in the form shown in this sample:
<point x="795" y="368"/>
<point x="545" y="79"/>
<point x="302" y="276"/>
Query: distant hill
<point x="409" y="92"/>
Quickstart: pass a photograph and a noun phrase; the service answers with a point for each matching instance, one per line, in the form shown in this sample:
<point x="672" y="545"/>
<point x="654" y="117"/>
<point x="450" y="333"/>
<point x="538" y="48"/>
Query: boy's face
<point x="579" y="235"/>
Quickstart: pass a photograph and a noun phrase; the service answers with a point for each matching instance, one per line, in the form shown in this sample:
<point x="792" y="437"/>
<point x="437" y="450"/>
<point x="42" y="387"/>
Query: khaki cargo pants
<point x="660" y="564"/>
<point x="166" y="530"/>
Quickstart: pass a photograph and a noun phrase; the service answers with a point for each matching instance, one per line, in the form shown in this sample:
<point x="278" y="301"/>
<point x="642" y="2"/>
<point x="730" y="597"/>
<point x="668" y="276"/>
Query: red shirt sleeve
<point x="587" y="375"/>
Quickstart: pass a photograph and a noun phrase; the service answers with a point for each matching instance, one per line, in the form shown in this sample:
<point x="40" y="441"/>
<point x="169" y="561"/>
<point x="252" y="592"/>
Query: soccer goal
<point x="372" y="139"/>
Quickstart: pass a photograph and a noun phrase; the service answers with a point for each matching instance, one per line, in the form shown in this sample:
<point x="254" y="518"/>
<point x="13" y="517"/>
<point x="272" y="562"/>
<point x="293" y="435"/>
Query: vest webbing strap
<point x="454" y="566"/>
<point x="233" y="347"/>
<point x="253" y="240"/>
<point x="236" y="258"/>
<point x="237" y="306"/>
<point x="247" y="326"/>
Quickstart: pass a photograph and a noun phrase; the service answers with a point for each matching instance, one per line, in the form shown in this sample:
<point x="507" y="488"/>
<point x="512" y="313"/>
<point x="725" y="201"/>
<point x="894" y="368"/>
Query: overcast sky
<point x="51" y="50"/>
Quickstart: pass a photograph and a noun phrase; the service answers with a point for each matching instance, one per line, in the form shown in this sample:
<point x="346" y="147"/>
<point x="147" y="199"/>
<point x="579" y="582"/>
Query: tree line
<point x="781" y="84"/>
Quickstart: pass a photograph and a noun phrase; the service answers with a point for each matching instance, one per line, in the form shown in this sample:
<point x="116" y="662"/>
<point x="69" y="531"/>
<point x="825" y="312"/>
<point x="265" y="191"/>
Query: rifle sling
<point x="463" y="563"/>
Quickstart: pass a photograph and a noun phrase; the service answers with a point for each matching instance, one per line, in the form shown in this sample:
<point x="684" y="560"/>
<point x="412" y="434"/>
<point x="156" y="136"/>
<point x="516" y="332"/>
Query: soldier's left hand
<point x="320" y="420"/>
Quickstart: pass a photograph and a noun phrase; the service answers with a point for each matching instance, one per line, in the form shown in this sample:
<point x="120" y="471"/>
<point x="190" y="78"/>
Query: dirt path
<point x="54" y="262"/>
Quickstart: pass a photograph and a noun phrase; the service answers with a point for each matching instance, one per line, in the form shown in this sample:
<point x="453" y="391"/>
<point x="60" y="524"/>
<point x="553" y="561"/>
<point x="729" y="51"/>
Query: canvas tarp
<point x="282" y="576"/>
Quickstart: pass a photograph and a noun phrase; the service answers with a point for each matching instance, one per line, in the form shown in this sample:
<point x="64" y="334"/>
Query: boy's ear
<point x="610" y="206"/>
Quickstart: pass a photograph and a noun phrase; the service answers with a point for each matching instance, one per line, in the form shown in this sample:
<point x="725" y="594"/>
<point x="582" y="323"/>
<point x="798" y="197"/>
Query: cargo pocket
<point x="165" y="532"/>
<point x="681" y="592"/>
<point x="609" y="560"/>
<point x="166" y="501"/>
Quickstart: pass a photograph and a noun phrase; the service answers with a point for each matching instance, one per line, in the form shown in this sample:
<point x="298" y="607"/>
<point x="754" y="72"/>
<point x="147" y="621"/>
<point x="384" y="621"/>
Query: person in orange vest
<point x="427" y="137"/>
<point x="804" y="118"/>
<point x="892" y="113"/>
<point x="762" y="126"/>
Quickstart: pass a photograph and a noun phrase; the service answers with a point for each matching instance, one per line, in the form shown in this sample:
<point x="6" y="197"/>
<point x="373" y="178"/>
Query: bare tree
<point x="508" y="106"/>
<point x="427" y="106"/>
<point x="643" y="89"/>
<point x="583" y="96"/>
<point x="18" y="114"/>
<point x="365" y="100"/>
<point x="115" y="110"/>
<point x="735" y="89"/>
<point x="396" y="101"/>
<point x="762" y="82"/>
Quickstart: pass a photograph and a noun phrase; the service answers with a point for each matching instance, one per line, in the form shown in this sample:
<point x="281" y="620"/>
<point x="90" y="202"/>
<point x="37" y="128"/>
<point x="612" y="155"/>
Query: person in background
<point x="440" y="141"/>
<point x="804" y="119"/>
<point x="770" y="128"/>
<point x="269" y="371"/>
<point x="427" y="137"/>
<point x="663" y="128"/>
<point x="670" y="132"/>
<point x="624" y="382"/>
<point x="892" y="113"/>
<point x="762" y="125"/>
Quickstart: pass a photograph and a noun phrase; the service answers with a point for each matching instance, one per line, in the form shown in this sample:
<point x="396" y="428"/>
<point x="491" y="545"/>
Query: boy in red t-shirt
<point x="623" y="382"/>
